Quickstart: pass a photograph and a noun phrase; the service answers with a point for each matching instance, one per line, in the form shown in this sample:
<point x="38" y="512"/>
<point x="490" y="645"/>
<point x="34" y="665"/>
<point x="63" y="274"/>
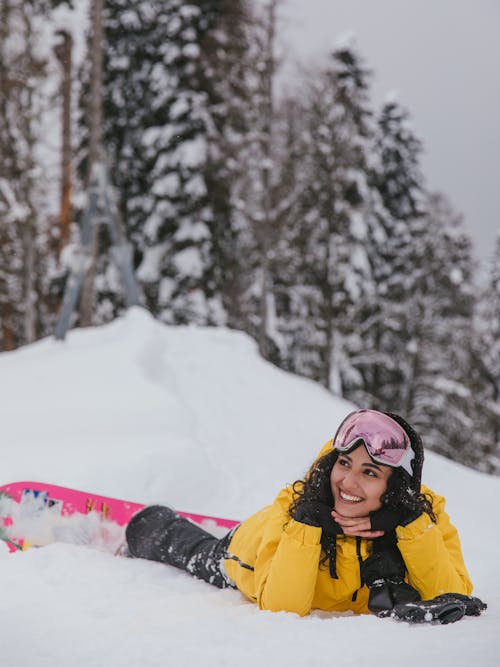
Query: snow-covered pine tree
<point x="24" y="168"/>
<point x="265" y="187"/>
<point x="441" y="398"/>
<point x="125" y="103"/>
<point x="334" y="215"/>
<point x="173" y="103"/>
<point x="13" y="210"/>
<point x="422" y="329"/>
<point x="486" y="371"/>
<point x="410" y="350"/>
<point x="289" y="327"/>
<point x="399" y="260"/>
<point x="225" y="67"/>
<point x="10" y="260"/>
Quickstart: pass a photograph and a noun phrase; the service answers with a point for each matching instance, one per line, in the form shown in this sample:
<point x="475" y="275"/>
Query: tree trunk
<point x="267" y="139"/>
<point x="95" y="144"/>
<point x="63" y="52"/>
<point x="29" y="229"/>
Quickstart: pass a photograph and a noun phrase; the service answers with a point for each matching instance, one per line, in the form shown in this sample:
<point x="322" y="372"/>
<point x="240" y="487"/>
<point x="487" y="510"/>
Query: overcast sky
<point x="442" y="58"/>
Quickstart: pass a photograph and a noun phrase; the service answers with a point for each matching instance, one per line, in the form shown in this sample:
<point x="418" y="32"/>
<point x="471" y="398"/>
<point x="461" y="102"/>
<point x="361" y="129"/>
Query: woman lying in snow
<point x="359" y="533"/>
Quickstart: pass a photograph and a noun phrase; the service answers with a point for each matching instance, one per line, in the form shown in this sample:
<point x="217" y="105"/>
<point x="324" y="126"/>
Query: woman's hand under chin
<point x="357" y="526"/>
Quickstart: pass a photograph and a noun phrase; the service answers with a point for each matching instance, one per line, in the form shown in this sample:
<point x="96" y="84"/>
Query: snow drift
<point x="194" y="418"/>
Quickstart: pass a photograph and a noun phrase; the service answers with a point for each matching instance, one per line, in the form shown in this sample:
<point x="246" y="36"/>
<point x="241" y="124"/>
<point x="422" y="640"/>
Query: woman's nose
<point x="351" y="479"/>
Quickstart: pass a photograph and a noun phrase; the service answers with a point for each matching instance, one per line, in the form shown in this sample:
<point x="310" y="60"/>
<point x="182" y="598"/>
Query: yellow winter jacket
<point x="274" y="560"/>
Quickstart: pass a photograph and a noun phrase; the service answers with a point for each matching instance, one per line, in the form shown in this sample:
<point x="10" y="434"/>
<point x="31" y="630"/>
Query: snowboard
<point x="36" y="514"/>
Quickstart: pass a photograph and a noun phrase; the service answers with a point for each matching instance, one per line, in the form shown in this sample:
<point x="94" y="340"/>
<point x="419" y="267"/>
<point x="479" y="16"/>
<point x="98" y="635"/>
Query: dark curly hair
<point x="316" y="486"/>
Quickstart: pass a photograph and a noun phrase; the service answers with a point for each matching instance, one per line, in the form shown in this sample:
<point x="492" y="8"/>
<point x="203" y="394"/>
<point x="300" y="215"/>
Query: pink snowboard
<point x="34" y="514"/>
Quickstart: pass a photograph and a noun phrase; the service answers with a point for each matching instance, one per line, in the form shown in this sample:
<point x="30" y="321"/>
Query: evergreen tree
<point x="441" y="402"/>
<point x="335" y="217"/>
<point x="10" y="266"/>
<point x="23" y="179"/>
<point x="423" y="324"/>
<point x="225" y="67"/>
<point x="127" y="72"/>
<point x="486" y="372"/>
<point x="265" y="189"/>
<point x="173" y="120"/>
<point x="417" y="327"/>
<point x="399" y="260"/>
<point x="292" y="339"/>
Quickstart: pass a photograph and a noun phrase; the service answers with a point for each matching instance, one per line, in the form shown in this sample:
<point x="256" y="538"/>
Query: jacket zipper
<point x="360" y="561"/>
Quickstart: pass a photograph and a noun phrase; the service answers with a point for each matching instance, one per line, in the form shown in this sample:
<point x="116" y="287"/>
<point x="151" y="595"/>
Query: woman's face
<point x="358" y="483"/>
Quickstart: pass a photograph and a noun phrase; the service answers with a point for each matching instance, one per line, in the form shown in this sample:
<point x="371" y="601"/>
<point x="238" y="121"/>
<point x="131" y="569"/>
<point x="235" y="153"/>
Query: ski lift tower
<point x="101" y="206"/>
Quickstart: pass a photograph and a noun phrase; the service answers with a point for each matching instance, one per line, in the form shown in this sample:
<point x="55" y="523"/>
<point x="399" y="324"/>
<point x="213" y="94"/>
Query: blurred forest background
<point x="300" y="216"/>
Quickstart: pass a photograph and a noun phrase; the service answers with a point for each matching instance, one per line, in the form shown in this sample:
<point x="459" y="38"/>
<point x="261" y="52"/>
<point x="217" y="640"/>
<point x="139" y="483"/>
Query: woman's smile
<point x="347" y="498"/>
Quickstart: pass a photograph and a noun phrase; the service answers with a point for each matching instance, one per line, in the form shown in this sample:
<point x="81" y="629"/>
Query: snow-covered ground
<point x="194" y="418"/>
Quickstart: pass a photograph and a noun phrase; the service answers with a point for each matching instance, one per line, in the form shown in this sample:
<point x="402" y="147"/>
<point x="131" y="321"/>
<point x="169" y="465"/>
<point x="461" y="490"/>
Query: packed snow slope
<point x="194" y="418"/>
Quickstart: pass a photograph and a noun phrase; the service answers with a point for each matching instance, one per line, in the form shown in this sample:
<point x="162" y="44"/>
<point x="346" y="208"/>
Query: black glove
<point x="386" y="564"/>
<point x="384" y="573"/>
<point x="316" y="513"/>
<point x="446" y="608"/>
<point x="473" y="606"/>
<point x="428" y="611"/>
<point x="386" y="595"/>
<point x="387" y="519"/>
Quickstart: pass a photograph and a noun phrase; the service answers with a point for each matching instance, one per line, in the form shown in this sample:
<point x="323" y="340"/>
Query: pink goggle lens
<point x="385" y="440"/>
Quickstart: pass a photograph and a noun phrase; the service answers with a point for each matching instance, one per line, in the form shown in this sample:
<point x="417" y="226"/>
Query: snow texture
<point x="193" y="417"/>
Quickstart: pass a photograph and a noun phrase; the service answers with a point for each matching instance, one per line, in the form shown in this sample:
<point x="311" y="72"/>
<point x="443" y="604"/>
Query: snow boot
<point x="158" y="533"/>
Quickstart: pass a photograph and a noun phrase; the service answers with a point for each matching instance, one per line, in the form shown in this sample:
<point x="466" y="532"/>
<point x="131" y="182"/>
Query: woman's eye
<point x="370" y="473"/>
<point x="343" y="462"/>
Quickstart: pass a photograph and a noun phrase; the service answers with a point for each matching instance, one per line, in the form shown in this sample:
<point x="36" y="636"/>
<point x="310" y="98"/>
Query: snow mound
<point x="194" y="418"/>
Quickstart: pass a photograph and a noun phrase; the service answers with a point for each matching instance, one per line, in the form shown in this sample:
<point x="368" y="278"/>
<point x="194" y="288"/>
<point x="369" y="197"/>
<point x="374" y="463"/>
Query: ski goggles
<point x="385" y="440"/>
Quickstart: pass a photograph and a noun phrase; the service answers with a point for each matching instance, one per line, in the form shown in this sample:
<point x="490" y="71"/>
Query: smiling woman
<point x="359" y="533"/>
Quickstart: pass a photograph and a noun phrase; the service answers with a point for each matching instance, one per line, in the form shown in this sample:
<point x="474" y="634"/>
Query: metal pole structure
<point x="80" y="265"/>
<point x="121" y="250"/>
<point x="101" y="197"/>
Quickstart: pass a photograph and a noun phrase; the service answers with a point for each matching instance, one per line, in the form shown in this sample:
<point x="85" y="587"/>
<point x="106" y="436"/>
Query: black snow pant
<point x="159" y="533"/>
